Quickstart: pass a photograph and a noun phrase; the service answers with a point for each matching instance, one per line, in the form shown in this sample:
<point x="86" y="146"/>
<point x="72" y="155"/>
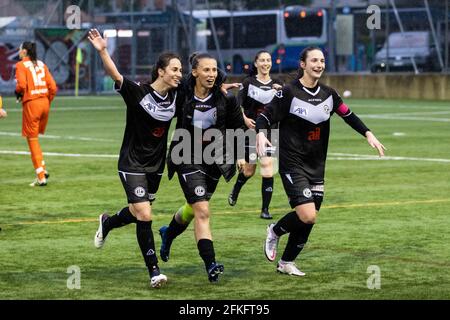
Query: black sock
<point x="240" y="181"/>
<point x="297" y="240"/>
<point x="174" y="230"/>
<point x="206" y="251"/>
<point x="144" y="236"/>
<point x="288" y="223"/>
<point x="120" y="219"/>
<point x="266" y="189"/>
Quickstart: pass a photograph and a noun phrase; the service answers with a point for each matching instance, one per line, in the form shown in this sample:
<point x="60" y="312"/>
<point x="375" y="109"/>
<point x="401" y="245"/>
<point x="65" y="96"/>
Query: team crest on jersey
<point x="307" y="193"/>
<point x="139" y="192"/>
<point x="327" y="109"/>
<point x="199" y="191"/>
<point x="279" y="94"/>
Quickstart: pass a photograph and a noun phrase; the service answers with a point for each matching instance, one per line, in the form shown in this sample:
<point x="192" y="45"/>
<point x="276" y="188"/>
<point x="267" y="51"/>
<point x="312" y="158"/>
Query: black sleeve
<point x="345" y="113"/>
<point x="221" y="77"/>
<point x="356" y="123"/>
<point x="235" y="119"/>
<point x="129" y="90"/>
<point x="243" y="92"/>
<point x="276" y="110"/>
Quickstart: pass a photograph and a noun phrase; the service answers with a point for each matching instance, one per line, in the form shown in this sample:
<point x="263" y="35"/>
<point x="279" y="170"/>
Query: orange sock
<point x="36" y="156"/>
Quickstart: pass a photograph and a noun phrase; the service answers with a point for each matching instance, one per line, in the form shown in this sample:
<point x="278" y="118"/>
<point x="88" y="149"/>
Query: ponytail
<point x="31" y="50"/>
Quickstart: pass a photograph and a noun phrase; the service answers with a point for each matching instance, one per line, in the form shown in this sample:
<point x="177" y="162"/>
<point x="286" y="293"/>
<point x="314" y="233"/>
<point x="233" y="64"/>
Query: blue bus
<point x="235" y="37"/>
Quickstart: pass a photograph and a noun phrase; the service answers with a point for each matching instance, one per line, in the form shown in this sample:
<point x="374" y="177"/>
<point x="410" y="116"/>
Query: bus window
<point x="303" y="24"/>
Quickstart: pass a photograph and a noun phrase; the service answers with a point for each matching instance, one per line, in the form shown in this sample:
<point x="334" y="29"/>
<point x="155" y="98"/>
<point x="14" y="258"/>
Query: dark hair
<point x="197" y="56"/>
<point x="162" y="62"/>
<point x="31" y="50"/>
<point x="253" y="69"/>
<point x="303" y="56"/>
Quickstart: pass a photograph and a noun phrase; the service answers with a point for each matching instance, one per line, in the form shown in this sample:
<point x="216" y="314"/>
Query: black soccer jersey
<point x="149" y="116"/>
<point x="304" y="116"/>
<point x="254" y="95"/>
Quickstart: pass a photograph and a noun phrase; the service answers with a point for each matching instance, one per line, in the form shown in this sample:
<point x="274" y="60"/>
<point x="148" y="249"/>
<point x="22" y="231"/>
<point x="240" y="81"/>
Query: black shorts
<point x="140" y="187"/>
<point x="198" y="181"/>
<point x="300" y="190"/>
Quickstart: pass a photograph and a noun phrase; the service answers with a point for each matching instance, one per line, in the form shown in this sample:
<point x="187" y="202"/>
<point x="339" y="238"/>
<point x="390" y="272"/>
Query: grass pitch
<point x="391" y="213"/>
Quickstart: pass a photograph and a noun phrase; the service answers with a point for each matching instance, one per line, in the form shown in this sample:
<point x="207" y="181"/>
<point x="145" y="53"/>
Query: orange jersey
<point x="34" y="81"/>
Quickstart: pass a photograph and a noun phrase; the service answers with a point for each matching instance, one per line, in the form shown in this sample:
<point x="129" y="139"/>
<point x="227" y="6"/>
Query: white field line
<point x="394" y="117"/>
<point x="332" y="156"/>
<point x="411" y="113"/>
<point x="349" y="156"/>
<point x="93" y="108"/>
<point x="47" y="136"/>
<point x="56" y="154"/>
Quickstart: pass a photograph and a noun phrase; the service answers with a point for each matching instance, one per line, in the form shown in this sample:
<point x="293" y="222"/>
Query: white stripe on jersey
<point x="260" y="95"/>
<point x="312" y="113"/>
<point x="155" y="110"/>
<point x="204" y="119"/>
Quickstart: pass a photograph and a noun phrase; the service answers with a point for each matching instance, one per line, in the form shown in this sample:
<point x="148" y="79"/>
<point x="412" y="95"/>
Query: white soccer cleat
<point x="271" y="244"/>
<point x="38" y="183"/>
<point x="158" y="281"/>
<point x="289" y="268"/>
<point x="99" y="240"/>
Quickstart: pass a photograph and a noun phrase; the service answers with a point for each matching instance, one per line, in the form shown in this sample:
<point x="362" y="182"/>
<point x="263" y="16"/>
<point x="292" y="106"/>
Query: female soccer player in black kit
<point x="303" y="109"/>
<point x="257" y="91"/>
<point x="205" y="107"/>
<point x="150" y="109"/>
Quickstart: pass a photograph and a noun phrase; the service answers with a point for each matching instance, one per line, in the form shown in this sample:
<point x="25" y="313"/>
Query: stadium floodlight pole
<point x="446" y="35"/>
<point x="433" y="33"/>
<point x="332" y="37"/>
<point x="133" y="42"/>
<point x="216" y="40"/>
<point x="232" y="35"/>
<point x="387" y="35"/>
<point x="192" y="38"/>
<point x="397" y="16"/>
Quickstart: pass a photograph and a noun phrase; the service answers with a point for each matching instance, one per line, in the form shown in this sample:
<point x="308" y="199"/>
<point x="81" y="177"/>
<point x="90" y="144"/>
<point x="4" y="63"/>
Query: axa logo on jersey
<point x="301" y="110"/>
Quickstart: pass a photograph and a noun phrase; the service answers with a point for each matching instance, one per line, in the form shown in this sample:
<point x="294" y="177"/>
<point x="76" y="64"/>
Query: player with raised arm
<point x="150" y="109"/>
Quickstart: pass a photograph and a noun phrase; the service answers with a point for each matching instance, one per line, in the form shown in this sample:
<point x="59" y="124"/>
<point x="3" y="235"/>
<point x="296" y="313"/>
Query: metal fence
<point x="140" y="30"/>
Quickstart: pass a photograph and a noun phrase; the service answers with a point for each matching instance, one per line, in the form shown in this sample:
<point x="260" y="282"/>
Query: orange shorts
<point x="35" y="117"/>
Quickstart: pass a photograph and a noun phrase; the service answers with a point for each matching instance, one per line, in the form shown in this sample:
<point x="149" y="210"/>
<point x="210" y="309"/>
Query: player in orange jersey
<point x="37" y="88"/>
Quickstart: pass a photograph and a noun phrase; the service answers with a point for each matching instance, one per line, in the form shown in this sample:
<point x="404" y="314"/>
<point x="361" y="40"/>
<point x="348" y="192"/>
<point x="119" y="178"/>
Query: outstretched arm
<point x="100" y="44"/>
<point x="374" y="143"/>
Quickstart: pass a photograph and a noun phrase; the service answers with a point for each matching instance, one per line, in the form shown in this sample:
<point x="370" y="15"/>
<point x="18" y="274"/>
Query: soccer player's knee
<point x="201" y="212"/>
<point x="309" y="219"/>
<point x="186" y="213"/>
<point x="248" y="171"/>
<point x="141" y="211"/>
<point x="266" y="170"/>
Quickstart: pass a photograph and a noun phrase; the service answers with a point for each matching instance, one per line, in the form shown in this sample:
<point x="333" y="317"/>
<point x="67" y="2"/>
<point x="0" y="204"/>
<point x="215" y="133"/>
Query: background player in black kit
<point x="150" y="109"/>
<point x="204" y="107"/>
<point x="256" y="91"/>
<point x="303" y="109"/>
